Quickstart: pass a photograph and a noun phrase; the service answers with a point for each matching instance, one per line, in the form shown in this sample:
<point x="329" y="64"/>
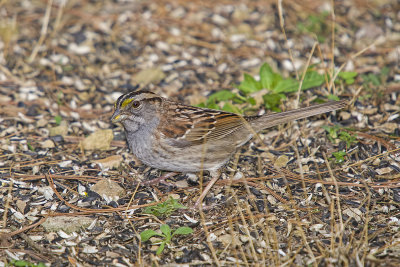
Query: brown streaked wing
<point x="175" y="121"/>
<point x="191" y="125"/>
<point x="226" y="124"/>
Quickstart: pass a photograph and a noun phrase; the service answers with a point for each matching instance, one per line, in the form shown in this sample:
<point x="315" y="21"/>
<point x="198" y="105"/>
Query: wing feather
<point x="186" y="125"/>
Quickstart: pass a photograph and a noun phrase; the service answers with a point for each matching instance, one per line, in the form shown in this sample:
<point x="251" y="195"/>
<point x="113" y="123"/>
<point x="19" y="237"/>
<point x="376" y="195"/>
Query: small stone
<point x="100" y="139"/>
<point x="110" y="162"/>
<point x="219" y="20"/>
<point x="244" y="238"/>
<point x="306" y="169"/>
<point x="48" y="144"/>
<point x="238" y="176"/>
<point x="84" y="96"/>
<point x="345" y="115"/>
<point x="42" y="122"/>
<point x="147" y="76"/>
<point x="67" y="224"/>
<point x="316" y="227"/>
<point x="79" y="49"/>
<point x="376" y="162"/>
<point x="228" y="240"/>
<point x="271" y="200"/>
<point x="181" y="184"/>
<point x="108" y="188"/>
<point x="383" y="171"/>
<point x="21" y="206"/>
<point x="369" y="31"/>
<point x="354" y="213"/>
<point x="268" y="155"/>
<point x="388" y="106"/>
<point x="90" y="249"/>
<point x="47" y="192"/>
<point x="369" y="111"/>
<point x="281" y="161"/>
<point x="389" y="127"/>
<point x="62" y="129"/>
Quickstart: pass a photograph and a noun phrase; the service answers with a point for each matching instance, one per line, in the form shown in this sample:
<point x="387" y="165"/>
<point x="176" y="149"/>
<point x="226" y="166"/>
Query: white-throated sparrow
<point x="171" y="136"/>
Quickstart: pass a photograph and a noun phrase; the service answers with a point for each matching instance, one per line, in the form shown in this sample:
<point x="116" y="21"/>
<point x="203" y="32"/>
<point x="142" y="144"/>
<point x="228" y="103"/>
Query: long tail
<point x="270" y="120"/>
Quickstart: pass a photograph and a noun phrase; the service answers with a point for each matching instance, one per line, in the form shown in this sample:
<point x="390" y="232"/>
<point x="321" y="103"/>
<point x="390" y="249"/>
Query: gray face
<point x="136" y="110"/>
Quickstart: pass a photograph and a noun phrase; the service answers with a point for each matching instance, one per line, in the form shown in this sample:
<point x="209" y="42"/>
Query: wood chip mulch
<point x="284" y="199"/>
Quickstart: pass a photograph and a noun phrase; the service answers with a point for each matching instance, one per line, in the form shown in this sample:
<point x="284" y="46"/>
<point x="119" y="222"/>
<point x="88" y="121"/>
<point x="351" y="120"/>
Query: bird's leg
<point x="215" y="176"/>
<point x="160" y="179"/>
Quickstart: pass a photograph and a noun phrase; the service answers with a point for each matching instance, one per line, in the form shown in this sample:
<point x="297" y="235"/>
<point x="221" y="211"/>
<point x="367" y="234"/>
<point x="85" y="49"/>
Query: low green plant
<point x="277" y="87"/>
<point x="166" y="235"/>
<point x="339" y="156"/>
<point x="30" y="147"/>
<point x="348" y="77"/>
<point x="23" y="263"/>
<point x="316" y="24"/>
<point x="371" y="80"/>
<point x="164" y="209"/>
<point x="58" y="119"/>
<point x="332" y="132"/>
<point x="374" y="84"/>
<point x="60" y="97"/>
<point x="336" y="132"/>
<point x="348" y="138"/>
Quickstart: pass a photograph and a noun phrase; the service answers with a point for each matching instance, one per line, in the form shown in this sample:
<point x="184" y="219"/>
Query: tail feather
<point x="270" y="120"/>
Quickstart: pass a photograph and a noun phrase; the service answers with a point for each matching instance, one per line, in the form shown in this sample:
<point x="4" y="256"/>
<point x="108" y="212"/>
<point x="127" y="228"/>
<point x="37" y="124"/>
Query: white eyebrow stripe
<point x="138" y="96"/>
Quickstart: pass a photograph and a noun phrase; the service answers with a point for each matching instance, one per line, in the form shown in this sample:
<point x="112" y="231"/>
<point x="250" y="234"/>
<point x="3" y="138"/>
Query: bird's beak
<point x="117" y="117"/>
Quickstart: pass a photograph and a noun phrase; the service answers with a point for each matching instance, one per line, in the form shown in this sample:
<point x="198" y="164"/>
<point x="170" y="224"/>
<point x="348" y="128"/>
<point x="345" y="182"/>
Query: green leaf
<point x="30" y="147"/>
<point x="165" y="208"/>
<point x="374" y="79"/>
<point x="348" y="138"/>
<point x="371" y="78"/>
<point x="21" y="263"/>
<point x="231" y="108"/>
<point x="222" y="95"/>
<point x="272" y="101"/>
<point x="201" y="105"/>
<point x="212" y="105"/>
<point x="239" y="99"/>
<point x="339" y="156"/>
<point x="147" y="234"/>
<point x="160" y="248"/>
<point x="166" y="230"/>
<point x="183" y="231"/>
<point x="266" y="76"/>
<point x="332" y="132"/>
<point x="385" y="71"/>
<point x="58" y="119"/>
<point x="286" y="86"/>
<point x="176" y="204"/>
<point x="251" y="101"/>
<point x="276" y="79"/>
<point x="347" y="75"/>
<point x="312" y="79"/>
<point x="249" y="85"/>
<point x="333" y="97"/>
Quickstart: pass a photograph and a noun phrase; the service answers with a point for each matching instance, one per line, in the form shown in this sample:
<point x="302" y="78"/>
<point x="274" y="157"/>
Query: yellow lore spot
<point x="126" y="102"/>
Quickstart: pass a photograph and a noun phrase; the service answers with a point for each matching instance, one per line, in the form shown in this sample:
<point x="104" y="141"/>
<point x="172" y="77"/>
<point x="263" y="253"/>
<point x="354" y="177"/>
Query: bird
<point x="172" y="136"/>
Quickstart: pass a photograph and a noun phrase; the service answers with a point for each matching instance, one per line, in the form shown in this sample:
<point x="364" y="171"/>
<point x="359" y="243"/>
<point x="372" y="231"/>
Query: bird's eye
<point x="135" y="104"/>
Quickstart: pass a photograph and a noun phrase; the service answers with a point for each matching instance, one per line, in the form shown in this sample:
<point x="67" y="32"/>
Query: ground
<point x="322" y="191"/>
